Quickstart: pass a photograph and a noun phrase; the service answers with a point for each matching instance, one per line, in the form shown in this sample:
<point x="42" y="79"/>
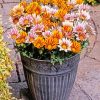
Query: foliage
<point x="5" y="69"/>
<point x="48" y="29"/>
<point x="91" y="2"/>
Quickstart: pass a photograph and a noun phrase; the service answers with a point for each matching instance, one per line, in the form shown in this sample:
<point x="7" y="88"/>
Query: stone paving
<point x="87" y="84"/>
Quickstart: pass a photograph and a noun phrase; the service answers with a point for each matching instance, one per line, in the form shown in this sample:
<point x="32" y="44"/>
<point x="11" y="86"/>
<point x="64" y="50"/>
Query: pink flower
<point x="36" y="19"/>
<point x="46" y="34"/>
<point x="84" y="7"/>
<point x="71" y="16"/>
<point x="68" y="35"/>
<point x="81" y="36"/>
<point x="84" y="15"/>
<point x="13" y="33"/>
<point x="80" y="28"/>
<point x="38" y="28"/>
<point x="32" y="35"/>
<point x="26" y="20"/>
<point x="67" y="16"/>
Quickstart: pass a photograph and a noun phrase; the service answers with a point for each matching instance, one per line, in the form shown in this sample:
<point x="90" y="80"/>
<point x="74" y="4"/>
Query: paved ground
<point x="87" y="84"/>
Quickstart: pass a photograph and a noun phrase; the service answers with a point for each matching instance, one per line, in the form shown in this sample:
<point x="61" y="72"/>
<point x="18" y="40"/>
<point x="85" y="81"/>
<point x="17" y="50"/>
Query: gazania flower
<point x="33" y="8"/>
<point x="64" y="44"/>
<point x="21" y="38"/>
<point x="13" y="33"/>
<point x="57" y="34"/>
<point x="75" y="47"/>
<point x="15" y="20"/>
<point x="47" y="24"/>
<point x="71" y="16"/>
<point x="44" y="1"/>
<point x="81" y="36"/>
<point x="46" y="15"/>
<point x="60" y="13"/>
<point x="23" y="34"/>
<point x="51" y="43"/>
<point x="24" y="4"/>
<point x="32" y="37"/>
<point x="68" y="35"/>
<point x="67" y="26"/>
<point x="67" y="17"/>
<point x="27" y="20"/>
<point x="80" y="28"/>
<point x="36" y="19"/>
<point x="84" y="15"/>
<point x="38" y="28"/>
<point x="39" y="42"/>
<point x="17" y="11"/>
<point x="46" y="34"/>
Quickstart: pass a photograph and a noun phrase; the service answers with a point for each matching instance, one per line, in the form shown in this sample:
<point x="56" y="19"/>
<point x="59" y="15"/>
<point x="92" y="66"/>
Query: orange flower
<point x="23" y="34"/>
<point x="47" y="24"/>
<point x="81" y="36"/>
<point x="57" y="34"/>
<point x="39" y="42"/>
<point x="44" y="1"/>
<point x="61" y="13"/>
<point x="67" y="28"/>
<point x="31" y="39"/>
<point x="24" y="4"/>
<point x="38" y="10"/>
<point x="17" y="11"/>
<point x="33" y="8"/>
<point x="51" y="43"/>
<point x="46" y="15"/>
<point x="21" y="38"/>
<point x="76" y="47"/>
<point x="79" y="1"/>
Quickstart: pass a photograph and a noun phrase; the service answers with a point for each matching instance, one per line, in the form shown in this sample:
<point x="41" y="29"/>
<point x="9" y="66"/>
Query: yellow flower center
<point x="26" y="21"/>
<point x="64" y="46"/>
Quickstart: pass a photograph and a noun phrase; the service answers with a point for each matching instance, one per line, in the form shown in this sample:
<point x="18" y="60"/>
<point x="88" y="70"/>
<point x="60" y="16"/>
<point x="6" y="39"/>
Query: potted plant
<point x="50" y="36"/>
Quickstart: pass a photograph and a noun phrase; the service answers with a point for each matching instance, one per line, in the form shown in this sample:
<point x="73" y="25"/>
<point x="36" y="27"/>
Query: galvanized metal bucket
<point x="50" y="82"/>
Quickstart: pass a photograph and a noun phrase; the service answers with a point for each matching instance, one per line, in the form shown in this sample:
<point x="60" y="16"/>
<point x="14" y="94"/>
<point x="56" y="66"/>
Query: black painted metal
<point x="48" y="82"/>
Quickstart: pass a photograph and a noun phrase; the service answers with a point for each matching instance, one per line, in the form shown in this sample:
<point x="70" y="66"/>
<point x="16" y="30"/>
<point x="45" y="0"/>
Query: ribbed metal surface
<point x="51" y="86"/>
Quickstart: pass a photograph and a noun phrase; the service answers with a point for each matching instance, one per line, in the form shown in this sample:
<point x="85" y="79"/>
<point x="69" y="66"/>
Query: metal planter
<point x="48" y="82"/>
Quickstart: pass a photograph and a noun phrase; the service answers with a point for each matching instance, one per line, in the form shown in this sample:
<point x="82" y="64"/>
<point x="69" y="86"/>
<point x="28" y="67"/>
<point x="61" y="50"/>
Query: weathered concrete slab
<point x="1" y="1"/>
<point x="95" y="52"/>
<point x="16" y="87"/>
<point x="13" y="78"/>
<point x="11" y="1"/>
<point x="88" y="77"/>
